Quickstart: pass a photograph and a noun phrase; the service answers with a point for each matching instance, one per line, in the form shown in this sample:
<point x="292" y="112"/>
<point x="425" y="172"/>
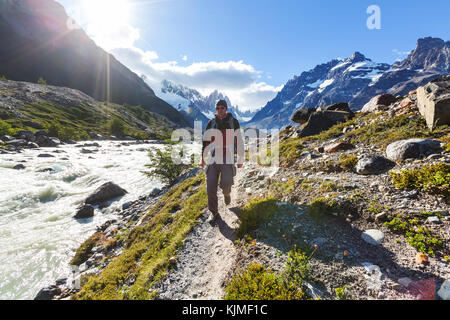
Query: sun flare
<point x="107" y="13"/>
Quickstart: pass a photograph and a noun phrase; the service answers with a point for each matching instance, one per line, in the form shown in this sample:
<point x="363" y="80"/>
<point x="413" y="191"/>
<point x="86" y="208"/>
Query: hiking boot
<point x="213" y="219"/>
<point x="227" y="199"/>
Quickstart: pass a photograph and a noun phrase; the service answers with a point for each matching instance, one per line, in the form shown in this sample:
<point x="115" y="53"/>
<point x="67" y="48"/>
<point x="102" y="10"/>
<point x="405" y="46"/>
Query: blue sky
<point x="250" y="48"/>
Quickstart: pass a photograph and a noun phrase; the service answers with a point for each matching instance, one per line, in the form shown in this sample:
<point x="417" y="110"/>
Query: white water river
<point x="38" y="234"/>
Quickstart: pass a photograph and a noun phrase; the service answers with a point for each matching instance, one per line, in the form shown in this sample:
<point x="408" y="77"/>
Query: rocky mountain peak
<point x="357" y="57"/>
<point x="429" y="54"/>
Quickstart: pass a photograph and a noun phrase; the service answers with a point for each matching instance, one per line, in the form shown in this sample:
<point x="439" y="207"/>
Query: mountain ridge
<point x="355" y="80"/>
<point x="37" y="41"/>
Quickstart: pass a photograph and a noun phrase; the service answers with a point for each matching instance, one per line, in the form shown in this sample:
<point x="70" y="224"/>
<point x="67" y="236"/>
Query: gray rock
<point x="45" y="141"/>
<point x="48" y="293"/>
<point x="19" y="167"/>
<point x="380" y="100"/>
<point x="32" y="145"/>
<point x="323" y="120"/>
<point x="433" y="219"/>
<point x="86" y="211"/>
<point x="433" y="101"/>
<point x="45" y="155"/>
<point x="105" y="192"/>
<point x="373" y="236"/>
<point x="26" y="135"/>
<point x="444" y="291"/>
<point x="373" y="164"/>
<point x="18" y="142"/>
<point x="412" y="148"/>
<point x="126" y="205"/>
<point x="6" y="138"/>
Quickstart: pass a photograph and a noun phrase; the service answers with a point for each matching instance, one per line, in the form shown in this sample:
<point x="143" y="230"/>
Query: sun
<point x="107" y="13"/>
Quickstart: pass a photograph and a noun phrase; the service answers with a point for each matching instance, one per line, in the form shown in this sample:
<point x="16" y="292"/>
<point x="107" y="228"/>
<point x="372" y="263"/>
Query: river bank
<point x="38" y="234"/>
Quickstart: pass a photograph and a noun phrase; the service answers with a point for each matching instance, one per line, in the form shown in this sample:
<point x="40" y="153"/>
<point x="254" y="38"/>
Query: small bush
<point x="3" y="78"/>
<point x="322" y="206"/>
<point x="257" y="283"/>
<point x="434" y="179"/>
<point x="164" y="168"/>
<point x="5" y="128"/>
<point x="84" y="250"/>
<point x="418" y="237"/>
<point x="42" y="81"/>
<point x="117" y="127"/>
<point x="255" y="213"/>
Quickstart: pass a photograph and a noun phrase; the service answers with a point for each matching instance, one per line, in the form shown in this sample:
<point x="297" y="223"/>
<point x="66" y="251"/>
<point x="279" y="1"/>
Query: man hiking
<point x="222" y="140"/>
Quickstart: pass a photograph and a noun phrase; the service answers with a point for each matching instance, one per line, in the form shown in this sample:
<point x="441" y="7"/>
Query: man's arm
<point x="205" y="143"/>
<point x="239" y="144"/>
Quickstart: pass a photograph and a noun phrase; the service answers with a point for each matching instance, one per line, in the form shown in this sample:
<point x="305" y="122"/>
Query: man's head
<point x="221" y="108"/>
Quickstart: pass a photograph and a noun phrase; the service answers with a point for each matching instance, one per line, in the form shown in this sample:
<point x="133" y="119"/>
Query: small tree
<point x="3" y="78"/>
<point x="54" y="128"/>
<point x="117" y="127"/>
<point x="164" y="167"/>
<point x="42" y="81"/>
<point x="5" y="128"/>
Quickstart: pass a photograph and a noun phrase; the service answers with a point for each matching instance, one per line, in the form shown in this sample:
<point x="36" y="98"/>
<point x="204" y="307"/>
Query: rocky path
<point x="207" y="256"/>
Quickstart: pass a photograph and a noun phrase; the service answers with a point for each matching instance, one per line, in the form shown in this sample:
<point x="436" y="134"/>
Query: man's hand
<point x="203" y="164"/>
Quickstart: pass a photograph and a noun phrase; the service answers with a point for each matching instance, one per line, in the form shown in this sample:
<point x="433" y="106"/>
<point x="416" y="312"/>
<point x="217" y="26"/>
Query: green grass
<point x="75" y="121"/>
<point x="82" y="253"/>
<point x="258" y="283"/>
<point x="149" y="246"/>
<point x="371" y="131"/>
<point x="255" y="213"/>
<point x="434" y="179"/>
<point x="418" y="236"/>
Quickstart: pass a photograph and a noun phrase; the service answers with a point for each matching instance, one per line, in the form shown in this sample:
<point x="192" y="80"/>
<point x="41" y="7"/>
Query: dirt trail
<point x="207" y="255"/>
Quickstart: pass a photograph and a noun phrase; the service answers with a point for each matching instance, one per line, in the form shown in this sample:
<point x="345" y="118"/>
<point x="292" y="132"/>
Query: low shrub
<point x="434" y="179"/>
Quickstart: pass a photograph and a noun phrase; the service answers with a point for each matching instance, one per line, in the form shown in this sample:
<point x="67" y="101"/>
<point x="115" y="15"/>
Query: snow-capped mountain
<point x="193" y="104"/>
<point x="354" y="80"/>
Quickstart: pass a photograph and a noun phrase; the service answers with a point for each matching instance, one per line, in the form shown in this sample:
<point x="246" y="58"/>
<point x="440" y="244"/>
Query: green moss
<point x="149" y="246"/>
<point x="419" y="237"/>
<point x="280" y="189"/>
<point x="434" y="179"/>
<point x="258" y="283"/>
<point x="254" y="213"/>
<point x="320" y="207"/>
<point x="82" y="253"/>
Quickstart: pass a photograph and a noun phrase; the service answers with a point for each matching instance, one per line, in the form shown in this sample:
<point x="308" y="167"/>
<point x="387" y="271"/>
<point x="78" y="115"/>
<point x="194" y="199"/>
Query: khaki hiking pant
<point x="226" y="172"/>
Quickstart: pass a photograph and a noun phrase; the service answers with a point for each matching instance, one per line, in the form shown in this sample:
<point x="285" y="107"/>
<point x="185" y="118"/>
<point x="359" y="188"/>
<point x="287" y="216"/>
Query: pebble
<point x="404" y="281"/>
<point x="373" y="237"/>
<point x="433" y="219"/>
<point x="444" y="291"/>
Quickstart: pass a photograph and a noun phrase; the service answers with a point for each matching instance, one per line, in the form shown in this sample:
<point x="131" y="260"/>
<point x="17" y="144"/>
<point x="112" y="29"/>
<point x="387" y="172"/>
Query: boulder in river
<point x="105" y="192"/>
<point x="85" y="211"/>
<point x="48" y="293"/>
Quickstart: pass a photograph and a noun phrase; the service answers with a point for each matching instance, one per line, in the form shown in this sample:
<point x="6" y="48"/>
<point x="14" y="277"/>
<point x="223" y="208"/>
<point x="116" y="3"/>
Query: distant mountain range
<point x="355" y="80"/>
<point x="36" y="41"/>
<point x="194" y="105"/>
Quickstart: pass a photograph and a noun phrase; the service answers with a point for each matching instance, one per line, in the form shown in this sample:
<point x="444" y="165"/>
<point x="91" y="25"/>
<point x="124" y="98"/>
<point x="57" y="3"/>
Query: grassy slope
<point x="87" y="117"/>
<point x="149" y="246"/>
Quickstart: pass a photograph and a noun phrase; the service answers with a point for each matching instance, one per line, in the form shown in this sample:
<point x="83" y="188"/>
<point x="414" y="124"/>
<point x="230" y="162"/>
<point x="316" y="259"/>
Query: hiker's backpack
<point x="230" y="121"/>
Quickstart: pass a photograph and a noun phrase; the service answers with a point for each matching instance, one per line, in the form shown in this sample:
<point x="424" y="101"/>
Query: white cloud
<point x="118" y="36"/>
<point x="240" y="81"/>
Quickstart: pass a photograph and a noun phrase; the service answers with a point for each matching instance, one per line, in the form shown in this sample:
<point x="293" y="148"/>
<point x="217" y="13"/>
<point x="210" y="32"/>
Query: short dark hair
<point x="222" y="103"/>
